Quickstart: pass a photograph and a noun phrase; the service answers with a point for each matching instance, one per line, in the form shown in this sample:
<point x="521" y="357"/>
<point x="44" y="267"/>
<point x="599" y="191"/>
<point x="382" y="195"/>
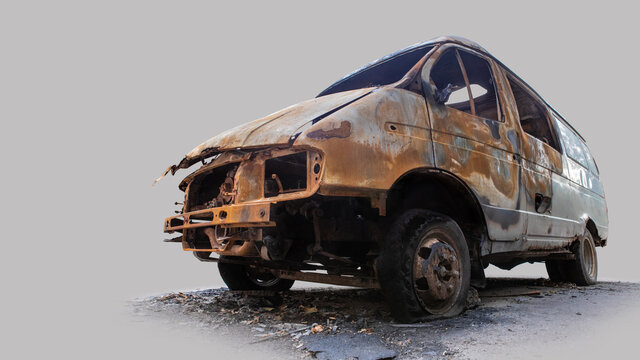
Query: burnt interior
<point x="285" y="174"/>
<point x="211" y="189"/>
<point x="534" y="119"/>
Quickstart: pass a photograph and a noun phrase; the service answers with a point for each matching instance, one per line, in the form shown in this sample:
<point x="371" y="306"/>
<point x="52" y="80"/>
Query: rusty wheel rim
<point x="589" y="257"/>
<point x="436" y="275"/>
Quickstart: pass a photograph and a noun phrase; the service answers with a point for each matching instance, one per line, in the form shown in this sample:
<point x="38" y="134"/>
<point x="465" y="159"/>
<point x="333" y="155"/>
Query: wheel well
<point x="441" y="192"/>
<point x="591" y="226"/>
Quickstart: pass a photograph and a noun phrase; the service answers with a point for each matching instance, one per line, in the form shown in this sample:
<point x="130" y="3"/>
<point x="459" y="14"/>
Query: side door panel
<point x="541" y="165"/>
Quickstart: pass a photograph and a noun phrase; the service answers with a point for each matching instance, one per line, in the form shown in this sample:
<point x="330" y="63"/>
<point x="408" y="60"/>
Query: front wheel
<point x="244" y="277"/>
<point x="424" y="267"/>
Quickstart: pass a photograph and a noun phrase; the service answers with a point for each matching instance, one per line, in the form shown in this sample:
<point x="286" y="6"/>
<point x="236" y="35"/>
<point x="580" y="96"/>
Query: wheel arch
<point x="593" y="229"/>
<point x="441" y="191"/>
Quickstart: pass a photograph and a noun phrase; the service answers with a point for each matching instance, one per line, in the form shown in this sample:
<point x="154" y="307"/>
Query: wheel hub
<point x="589" y="256"/>
<point x="436" y="273"/>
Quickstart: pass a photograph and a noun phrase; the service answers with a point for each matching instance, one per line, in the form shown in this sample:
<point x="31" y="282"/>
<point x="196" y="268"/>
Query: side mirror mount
<point x="442" y="95"/>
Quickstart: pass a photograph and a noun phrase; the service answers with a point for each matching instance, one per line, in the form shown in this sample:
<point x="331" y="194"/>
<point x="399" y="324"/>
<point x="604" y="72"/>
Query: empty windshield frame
<point x="384" y="71"/>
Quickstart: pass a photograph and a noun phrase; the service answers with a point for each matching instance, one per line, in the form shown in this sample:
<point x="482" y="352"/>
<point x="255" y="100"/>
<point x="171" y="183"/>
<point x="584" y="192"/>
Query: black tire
<point x="583" y="270"/>
<point x="242" y="277"/>
<point x="424" y="267"/>
<point x="554" y="269"/>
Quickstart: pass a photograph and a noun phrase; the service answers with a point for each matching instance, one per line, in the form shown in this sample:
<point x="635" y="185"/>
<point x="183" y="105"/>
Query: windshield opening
<point x="383" y="71"/>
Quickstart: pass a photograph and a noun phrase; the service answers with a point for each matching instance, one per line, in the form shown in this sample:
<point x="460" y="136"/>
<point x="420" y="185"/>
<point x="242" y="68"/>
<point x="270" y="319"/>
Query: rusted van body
<point x="411" y="174"/>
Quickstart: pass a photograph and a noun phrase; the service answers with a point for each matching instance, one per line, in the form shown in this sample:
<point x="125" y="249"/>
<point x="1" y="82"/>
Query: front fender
<point x="372" y="142"/>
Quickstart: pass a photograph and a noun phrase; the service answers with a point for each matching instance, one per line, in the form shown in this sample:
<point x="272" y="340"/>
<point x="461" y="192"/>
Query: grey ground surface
<point x="515" y="318"/>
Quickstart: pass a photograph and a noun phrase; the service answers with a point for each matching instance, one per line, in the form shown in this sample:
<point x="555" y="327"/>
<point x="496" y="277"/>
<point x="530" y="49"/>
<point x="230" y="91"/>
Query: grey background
<point x="98" y="98"/>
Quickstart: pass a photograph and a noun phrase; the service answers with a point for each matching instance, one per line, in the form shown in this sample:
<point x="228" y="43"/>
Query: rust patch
<point x="343" y="131"/>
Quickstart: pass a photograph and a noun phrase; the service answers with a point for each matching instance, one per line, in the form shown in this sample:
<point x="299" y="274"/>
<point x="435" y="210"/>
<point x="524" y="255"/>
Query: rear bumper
<point x="243" y="215"/>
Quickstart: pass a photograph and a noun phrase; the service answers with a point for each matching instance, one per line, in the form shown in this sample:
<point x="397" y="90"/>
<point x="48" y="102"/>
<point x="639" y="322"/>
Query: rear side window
<point x="534" y="117"/>
<point x="572" y="145"/>
<point x="576" y="149"/>
<point x="592" y="162"/>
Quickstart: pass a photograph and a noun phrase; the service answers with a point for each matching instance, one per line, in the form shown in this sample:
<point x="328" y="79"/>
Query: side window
<point x="482" y="85"/>
<point x="534" y="118"/>
<point x="574" y="147"/>
<point x="464" y="82"/>
<point x="451" y="89"/>
<point x="592" y="162"/>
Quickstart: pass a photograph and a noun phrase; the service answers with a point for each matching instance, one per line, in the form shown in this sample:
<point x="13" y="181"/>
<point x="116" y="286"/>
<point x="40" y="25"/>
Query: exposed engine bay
<point x="261" y="207"/>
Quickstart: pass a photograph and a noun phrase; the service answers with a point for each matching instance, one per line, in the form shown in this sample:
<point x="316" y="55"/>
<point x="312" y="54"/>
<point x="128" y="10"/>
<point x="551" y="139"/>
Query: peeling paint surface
<point x="343" y="131"/>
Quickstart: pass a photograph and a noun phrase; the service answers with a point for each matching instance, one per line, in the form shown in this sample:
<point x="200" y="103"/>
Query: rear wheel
<point x="244" y="277"/>
<point x="424" y="267"/>
<point x="583" y="270"/>
<point x="554" y="269"/>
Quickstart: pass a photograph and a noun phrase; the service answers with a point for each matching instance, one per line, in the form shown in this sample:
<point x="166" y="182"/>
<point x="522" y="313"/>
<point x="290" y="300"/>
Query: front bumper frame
<point x="241" y="215"/>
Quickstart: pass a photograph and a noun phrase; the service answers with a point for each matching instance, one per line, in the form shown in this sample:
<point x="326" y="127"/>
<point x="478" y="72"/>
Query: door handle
<point x="543" y="203"/>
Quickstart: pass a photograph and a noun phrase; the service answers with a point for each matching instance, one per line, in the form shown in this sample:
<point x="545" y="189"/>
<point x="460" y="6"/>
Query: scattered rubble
<point x="332" y="323"/>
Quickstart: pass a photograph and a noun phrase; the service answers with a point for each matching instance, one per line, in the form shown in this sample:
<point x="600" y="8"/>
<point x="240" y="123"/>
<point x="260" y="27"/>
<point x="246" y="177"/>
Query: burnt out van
<point x="411" y="175"/>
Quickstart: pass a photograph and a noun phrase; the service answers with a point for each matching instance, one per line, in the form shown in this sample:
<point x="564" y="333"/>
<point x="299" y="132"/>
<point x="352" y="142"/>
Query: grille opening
<point x="285" y="174"/>
<point x="205" y="192"/>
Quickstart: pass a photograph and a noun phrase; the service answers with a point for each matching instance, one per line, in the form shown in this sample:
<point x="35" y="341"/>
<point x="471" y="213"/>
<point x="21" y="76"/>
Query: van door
<point x="471" y="138"/>
<point x="541" y="165"/>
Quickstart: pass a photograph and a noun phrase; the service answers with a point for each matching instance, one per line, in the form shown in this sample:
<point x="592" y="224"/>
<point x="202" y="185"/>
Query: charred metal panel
<point x="376" y="152"/>
<point x="342" y="131"/>
<point x="540" y="162"/>
<point x="249" y="180"/>
<point x="231" y="215"/>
